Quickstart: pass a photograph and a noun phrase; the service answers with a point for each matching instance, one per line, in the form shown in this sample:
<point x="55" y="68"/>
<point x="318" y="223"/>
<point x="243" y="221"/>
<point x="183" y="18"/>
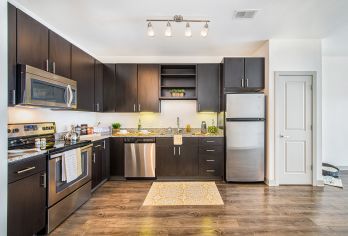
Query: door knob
<point x="284" y="136"/>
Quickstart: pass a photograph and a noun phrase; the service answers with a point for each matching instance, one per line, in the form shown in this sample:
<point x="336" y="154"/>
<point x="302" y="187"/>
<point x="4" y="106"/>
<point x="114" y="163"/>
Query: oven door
<point x="41" y="88"/>
<point x="59" y="188"/>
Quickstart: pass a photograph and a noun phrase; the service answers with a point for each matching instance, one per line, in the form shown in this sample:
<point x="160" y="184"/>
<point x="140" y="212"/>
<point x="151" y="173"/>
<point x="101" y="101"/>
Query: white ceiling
<point x="110" y="28"/>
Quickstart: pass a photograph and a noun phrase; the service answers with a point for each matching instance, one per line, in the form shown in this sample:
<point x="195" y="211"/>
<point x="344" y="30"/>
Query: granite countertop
<point x="151" y="134"/>
<point x="21" y="156"/>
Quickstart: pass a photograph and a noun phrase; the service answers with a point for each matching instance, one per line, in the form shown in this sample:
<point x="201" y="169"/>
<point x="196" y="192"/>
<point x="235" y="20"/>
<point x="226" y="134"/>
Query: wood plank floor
<point x="250" y="209"/>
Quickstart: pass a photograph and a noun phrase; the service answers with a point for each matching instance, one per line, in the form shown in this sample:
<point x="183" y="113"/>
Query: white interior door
<point x="294" y="137"/>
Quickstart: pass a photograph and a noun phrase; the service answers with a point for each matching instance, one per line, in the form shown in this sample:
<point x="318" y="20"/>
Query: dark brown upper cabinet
<point x="109" y="87"/>
<point x="208" y="81"/>
<point x="32" y="42"/>
<point x="255" y="73"/>
<point x="12" y="59"/>
<point x="82" y="71"/>
<point x="126" y="88"/>
<point x="243" y="74"/>
<point x="59" y="55"/>
<point x="148" y="92"/>
<point x="98" y="86"/>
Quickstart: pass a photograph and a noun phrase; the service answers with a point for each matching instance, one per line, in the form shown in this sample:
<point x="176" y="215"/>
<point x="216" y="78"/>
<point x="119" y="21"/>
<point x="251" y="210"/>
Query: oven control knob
<point x="16" y="130"/>
<point x="8" y="131"/>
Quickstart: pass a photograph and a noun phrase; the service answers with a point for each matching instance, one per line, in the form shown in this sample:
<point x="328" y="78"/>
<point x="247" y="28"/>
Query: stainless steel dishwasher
<point x="140" y="157"/>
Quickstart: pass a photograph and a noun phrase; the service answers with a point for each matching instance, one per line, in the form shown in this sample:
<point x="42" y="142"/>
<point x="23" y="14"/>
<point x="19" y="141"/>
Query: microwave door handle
<point x="67" y="96"/>
<point x="71" y="96"/>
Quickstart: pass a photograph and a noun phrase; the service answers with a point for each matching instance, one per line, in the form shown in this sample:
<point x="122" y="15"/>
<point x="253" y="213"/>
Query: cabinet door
<point x="116" y="157"/>
<point x="233" y="73"/>
<point x="255" y="73"/>
<point x="208" y="87"/>
<point x="96" y="164"/>
<point x="12" y="61"/>
<point x="126" y="87"/>
<point x="166" y="157"/>
<point x="187" y="159"/>
<point x="26" y="205"/>
<point x="109" y="87"/>
<point x="106" y="159"/>
<point x="59" y="55"/>
<point x="148" y="82"/>
<point x="82" y="70"/>
<point x="98" y="86"/>
<point x="32" y="42"/>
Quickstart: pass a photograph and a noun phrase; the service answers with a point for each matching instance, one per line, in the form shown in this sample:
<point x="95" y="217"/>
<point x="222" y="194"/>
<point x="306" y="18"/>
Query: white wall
<point x="63" y="119"/>
<point x="186" y="110"/>
<point x="170" y="110"/>
<point x="335" y="110"/>
<point x="3" y="117"/>
<point x="289" y="55"/>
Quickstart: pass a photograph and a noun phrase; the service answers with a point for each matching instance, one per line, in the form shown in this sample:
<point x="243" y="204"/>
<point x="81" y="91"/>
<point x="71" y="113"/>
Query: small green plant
<point x="116" y="125"/>
<point x="212" y="129"/>
<point x="177" y="92"/>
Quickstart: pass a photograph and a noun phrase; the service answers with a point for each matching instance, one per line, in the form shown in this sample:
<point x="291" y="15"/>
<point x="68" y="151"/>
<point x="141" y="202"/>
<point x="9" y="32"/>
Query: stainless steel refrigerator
<point x="245" y="137"/>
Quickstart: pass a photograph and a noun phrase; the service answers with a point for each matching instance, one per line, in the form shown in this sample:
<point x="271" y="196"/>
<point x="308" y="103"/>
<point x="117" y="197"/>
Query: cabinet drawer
<point x="26" y="167"/>
<point x="210" y="170"/>
<point x="211" y="150"/>
<point x="211" y="141"/>
<point x="211" y="164"/>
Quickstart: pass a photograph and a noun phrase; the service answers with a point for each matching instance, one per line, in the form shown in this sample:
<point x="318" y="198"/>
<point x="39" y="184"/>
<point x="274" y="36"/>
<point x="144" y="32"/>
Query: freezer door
<point x="245" y="156"/>
<point x="245" y="106"/>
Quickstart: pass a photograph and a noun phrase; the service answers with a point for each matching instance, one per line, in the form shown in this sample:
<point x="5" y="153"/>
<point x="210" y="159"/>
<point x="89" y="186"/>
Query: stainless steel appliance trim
<point x="53" y="196"/>
<point x="59" y="212"/>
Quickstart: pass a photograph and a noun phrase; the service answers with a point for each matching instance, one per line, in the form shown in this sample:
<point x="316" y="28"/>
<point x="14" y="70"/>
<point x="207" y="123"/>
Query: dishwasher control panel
<point x="139" y="140"/>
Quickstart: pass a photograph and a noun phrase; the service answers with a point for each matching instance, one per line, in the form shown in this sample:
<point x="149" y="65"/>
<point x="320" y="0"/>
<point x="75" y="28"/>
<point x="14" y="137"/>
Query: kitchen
<point x="83" y="128"/>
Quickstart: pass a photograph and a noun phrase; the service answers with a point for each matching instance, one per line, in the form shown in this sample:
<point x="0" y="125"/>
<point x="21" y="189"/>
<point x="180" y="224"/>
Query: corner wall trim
<point x="271" y="183"/>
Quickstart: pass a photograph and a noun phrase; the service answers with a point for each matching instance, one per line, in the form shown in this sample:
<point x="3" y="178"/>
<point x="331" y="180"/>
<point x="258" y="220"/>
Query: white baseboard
<point x="271" y="182"/>
<point x="320" y="182"/>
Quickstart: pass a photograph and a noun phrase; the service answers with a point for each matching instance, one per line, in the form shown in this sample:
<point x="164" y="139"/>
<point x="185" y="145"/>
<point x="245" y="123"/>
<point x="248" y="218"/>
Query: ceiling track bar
<point x="171" y="20"/>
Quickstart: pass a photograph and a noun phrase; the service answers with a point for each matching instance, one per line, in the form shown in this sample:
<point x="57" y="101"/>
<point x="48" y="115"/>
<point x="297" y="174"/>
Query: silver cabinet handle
<point x="174" y="150"/>
<point x="104" y="145"/>
<point x="210" y="141"/>
<point x="179" y="151"/>
<point x="134" y="108"/>
<point x="284" y="136"/>
<point x="44" y="184"/>
<point x="210" y="150"/>
<point x="46" y="64"/>
<point x="26" y="170"/>
<point x="242" y="82"/>
<point x="210" y="171"/>
<point x="97" y="106"/>
<point x="247" y="82"/>
<point x="210" y="160"/>
<point x="93" y="157"/>
<point x="139" y="107"/>
<point x="54" y="67"/>
<point x="97" y="146"/>
<point x="199" y="107"/>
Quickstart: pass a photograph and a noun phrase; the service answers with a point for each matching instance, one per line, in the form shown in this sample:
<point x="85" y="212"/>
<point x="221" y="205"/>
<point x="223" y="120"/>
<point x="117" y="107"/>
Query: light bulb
<point x="188" y="32"/>
<point x="204" y="31"/>
<point x="150" y="31"/>
<point x="168" y="31"/>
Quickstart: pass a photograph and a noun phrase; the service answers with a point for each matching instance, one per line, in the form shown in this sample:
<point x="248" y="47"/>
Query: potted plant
<point x="116" y="128"/>
<point x="177" y="92"/>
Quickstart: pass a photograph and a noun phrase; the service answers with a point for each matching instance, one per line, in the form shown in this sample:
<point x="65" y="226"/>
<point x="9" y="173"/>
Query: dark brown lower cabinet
<point x="100" y="162"/>
<point x="116" y="156"/>
<point x="196" y="157"/>
<point x="26" y="197"/>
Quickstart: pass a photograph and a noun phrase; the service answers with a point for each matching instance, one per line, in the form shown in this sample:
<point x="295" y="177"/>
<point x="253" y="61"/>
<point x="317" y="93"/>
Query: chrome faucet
<point x="178" y="125"/>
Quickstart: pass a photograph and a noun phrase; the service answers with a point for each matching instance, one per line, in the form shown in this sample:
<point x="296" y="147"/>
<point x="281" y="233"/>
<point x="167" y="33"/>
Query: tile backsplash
<point x="170" y="110"/>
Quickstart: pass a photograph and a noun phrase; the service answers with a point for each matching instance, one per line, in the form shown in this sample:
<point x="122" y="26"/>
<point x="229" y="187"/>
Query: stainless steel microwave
<point x="37" y="87"/>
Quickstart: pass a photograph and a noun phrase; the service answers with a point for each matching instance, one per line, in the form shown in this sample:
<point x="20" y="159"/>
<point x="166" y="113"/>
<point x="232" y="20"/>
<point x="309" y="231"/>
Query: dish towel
<point x="70" y="165"/>
<point x="177" y="139"/>
<point x="78" y="161"/>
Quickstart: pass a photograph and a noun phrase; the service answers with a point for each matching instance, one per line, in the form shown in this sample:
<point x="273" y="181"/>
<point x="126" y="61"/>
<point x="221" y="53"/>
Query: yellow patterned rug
<point x="183" y="193"/>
